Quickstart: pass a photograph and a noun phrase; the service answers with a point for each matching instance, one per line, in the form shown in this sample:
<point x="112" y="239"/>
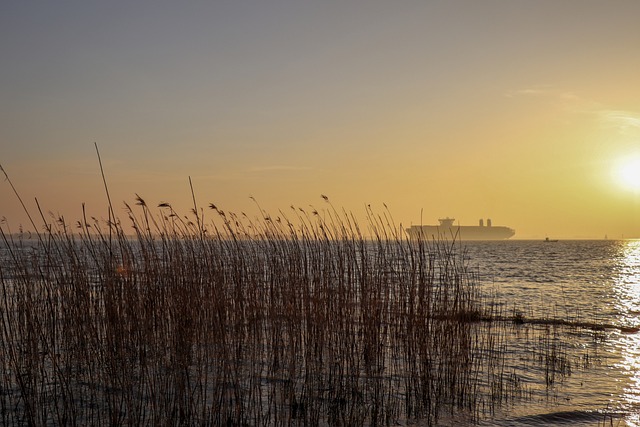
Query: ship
<point x="447" y="230"/>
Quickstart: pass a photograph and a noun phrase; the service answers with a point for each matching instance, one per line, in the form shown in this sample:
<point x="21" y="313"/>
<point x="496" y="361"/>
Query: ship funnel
<point x="481" y="222"/>
<point x="488" y="222"/>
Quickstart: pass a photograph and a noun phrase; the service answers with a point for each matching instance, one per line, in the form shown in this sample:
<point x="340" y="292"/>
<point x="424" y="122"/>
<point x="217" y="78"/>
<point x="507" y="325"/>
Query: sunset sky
<point x="525" y="112"/>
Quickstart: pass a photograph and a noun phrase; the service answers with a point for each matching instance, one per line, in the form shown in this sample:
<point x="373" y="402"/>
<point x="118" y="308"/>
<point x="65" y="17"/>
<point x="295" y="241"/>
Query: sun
<point x="628" y="172"/>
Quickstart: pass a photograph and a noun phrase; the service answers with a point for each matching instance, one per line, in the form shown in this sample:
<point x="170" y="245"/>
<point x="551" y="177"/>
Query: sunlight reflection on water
<point x="628" y="283"/>
<point x="627" y="288"/>
<point x="582" y="281"/>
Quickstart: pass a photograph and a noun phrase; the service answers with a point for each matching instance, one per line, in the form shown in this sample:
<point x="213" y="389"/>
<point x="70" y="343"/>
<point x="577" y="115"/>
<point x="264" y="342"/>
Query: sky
<point x="525" y="112"/>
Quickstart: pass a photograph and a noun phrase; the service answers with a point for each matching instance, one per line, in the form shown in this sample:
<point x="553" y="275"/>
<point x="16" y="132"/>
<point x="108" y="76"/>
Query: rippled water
<point x="581" y="281"/>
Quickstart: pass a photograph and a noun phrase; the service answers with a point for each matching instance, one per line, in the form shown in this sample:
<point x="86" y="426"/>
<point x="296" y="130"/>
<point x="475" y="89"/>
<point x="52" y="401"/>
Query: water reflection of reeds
<point x="238" y="322"/>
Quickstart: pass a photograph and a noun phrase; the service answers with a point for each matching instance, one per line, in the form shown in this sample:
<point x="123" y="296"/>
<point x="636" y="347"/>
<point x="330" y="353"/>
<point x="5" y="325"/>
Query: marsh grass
<point x="295" y="319"/>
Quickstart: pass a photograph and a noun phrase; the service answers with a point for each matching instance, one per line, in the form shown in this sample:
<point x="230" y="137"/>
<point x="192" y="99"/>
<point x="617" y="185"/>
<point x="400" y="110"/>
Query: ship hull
<point x="460" y="232"/>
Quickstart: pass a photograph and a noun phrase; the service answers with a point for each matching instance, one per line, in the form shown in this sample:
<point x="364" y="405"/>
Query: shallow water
<point x="584" y="282"/>
<point x="581" y="281"/>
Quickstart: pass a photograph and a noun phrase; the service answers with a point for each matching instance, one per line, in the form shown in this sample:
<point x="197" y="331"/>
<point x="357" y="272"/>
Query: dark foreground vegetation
<point x="297" y="319"/>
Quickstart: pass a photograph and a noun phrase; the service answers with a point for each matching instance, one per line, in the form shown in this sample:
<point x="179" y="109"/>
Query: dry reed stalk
<point x="240" y="321"/>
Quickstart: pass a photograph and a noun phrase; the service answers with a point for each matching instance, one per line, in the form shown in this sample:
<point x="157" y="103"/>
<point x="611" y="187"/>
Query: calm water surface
<point x="580" y="281"/>
<point x="583" y="281"/>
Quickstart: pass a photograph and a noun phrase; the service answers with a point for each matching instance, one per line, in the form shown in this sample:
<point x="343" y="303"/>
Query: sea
<point x="585" y="294"/>
<point x="583" y="283"/>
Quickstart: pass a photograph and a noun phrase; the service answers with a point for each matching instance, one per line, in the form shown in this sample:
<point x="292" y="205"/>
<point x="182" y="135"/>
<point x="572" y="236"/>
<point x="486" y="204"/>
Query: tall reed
<point x="302" y="318"/>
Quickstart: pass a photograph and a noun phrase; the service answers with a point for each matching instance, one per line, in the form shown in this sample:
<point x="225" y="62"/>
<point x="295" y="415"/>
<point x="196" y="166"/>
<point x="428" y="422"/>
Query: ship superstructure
<point x="448" y="230"/>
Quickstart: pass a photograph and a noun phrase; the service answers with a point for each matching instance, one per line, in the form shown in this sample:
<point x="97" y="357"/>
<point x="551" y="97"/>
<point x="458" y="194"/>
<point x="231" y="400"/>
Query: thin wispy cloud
<point x="526" y="92"/>
<point x="243" y="174"/>
<point x="278" y="168"/>
<point x="623" y="121"/>
<point x="572" y="103"/>
<point x="543" y="91"/>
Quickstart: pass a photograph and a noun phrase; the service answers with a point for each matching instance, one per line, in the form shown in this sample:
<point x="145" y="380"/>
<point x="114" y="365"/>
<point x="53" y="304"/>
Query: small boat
<point x="547" y="240"/>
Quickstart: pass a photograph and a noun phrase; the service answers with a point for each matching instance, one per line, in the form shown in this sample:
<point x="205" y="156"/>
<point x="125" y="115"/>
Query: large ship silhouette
<point x="447" y="230"/>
